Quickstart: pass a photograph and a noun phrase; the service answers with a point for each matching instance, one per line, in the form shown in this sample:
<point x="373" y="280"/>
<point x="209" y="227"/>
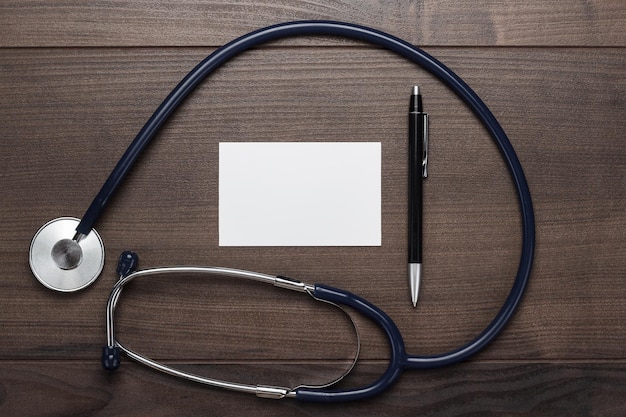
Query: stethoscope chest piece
<point x="64" y="261"/>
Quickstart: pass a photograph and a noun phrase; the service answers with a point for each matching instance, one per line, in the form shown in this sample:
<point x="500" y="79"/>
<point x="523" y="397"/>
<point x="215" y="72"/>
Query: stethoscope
<point x="67" y="254"/>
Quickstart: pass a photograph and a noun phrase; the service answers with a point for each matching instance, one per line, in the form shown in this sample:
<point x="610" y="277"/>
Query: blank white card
<point x="300" y="194"/>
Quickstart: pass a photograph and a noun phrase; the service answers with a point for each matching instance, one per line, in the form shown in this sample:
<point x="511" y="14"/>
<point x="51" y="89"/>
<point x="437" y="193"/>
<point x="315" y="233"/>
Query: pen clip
<point x="425" y="145"/>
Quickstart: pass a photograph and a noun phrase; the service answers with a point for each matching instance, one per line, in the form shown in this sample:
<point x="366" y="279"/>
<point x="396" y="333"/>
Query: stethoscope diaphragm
<point x="62" y="261"/>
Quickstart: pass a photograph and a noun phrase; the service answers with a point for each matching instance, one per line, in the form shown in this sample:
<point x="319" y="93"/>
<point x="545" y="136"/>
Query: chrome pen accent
<point x="425" y="145"/>
<point x="415" y="279"/>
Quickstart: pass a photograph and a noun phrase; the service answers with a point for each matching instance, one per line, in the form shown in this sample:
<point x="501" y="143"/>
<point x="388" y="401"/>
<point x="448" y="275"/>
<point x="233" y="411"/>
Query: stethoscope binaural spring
<point x="67" y="254"/>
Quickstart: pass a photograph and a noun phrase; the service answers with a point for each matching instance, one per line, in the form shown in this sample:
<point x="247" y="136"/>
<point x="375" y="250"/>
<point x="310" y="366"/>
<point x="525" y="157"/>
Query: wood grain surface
<point x="78" y="80"/>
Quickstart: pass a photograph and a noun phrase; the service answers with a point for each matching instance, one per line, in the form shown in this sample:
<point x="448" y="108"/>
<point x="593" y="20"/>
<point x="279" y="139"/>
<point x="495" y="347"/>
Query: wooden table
<point x="79" y="79"/>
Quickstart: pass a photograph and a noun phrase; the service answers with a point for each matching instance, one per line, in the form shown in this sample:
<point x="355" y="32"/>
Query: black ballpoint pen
<point x="418" y="162"/>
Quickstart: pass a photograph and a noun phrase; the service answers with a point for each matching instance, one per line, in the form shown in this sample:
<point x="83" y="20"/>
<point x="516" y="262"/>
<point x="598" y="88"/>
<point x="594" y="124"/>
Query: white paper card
<point x="300" y="194"/>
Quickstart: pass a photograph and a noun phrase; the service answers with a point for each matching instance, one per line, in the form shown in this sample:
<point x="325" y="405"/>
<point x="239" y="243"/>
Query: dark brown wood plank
<point x="486" y="389"/>
<point x="66" y="116"/>
<point x="212" y="23"/>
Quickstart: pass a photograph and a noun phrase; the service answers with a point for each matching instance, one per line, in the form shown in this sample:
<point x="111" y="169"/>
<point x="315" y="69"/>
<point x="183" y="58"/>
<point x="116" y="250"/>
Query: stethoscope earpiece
<point x="64" y="260"/>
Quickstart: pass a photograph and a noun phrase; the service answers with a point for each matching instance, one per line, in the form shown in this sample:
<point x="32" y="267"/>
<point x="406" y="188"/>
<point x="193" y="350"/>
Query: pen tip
<point x="415" y="276"/>
<point x="416" y="90"/>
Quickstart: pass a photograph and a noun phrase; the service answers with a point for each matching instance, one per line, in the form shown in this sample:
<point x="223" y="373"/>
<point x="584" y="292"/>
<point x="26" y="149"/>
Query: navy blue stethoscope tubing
<point x="399" y="359"/>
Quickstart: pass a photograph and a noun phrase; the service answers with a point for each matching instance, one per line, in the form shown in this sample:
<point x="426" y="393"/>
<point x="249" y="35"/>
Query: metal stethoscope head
<point x="64" y="260"/>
